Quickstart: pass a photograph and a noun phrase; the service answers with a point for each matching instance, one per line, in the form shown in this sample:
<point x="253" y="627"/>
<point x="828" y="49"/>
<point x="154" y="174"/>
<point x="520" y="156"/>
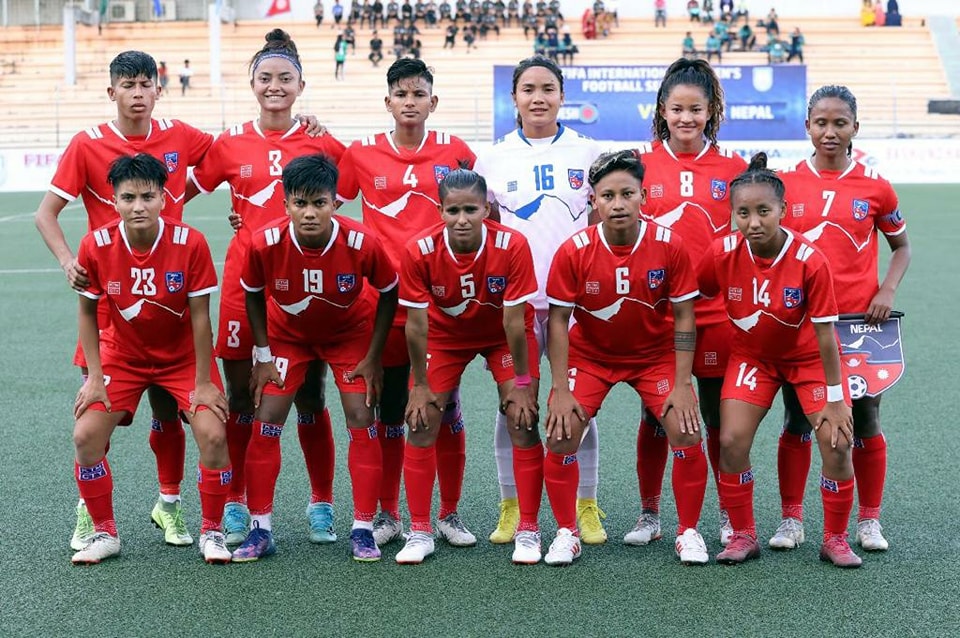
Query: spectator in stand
<point x="366" y="14"/>
<point x="894" y="18"/>
<point x="660" y="13"/>
<point x="489" y="23"/>
<point x="706" y="12"/>
<point x="726" y="10"/>
<point x="339" y="56"/>
<point x="450" y="40"/>
<point x="406" y="11"/>
<point x="377" y="14"/>
<point x="879" y="17"/>
<point x="376" y="49"/>
<point x="350" y="37"/>
<point x="741" y="12"/>
<point x="530" y="23"/>
<point x="337" y="14"/>
<point x="553" y="44"/>
<point x="747" y="39"/>
<point x="776" y="52"/>
<point x="540" y="44"/>
<point x="356" y="12"/>
<point x="589" y="25"/>
<point x="689" y="48"/>
<point x="513" y="13"/>
<point x="867" y="17"/>
<point x="393" y="12"/>
<point x="185" y="74"/>
<point x="713" y="47"/>
<point x="567" y="48"/>
<point x="772" y="24"/>
<point x="469" y="37"/>
<point x="723" y="32"/>
<point x="318" y="12"/>
<point x="613" y="11"/>
<point x="796" y="45"/>
<point x="162" y="78"/>
<point x="431" y="15"/>
<point x="693" y="9"/>
<point x="445" y="11"/>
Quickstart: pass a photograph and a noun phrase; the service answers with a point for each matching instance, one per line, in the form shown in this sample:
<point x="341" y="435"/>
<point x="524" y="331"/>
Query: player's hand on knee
<point x="684" y="403"/>
<point x="562" y="410"/>
<point x="76" y="275"/>
<point x="262" y="374"/>
<point x="520" y="407"/>
<point x="93" y="390"/>
<point x="372" y="373"/>
<point x="419" y="404"/>
<point x="838" y="418"/>
<point x="209" y="395"/>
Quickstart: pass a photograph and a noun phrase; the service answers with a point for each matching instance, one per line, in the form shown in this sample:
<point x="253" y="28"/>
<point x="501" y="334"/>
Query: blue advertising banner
<point x="617" y="103"/>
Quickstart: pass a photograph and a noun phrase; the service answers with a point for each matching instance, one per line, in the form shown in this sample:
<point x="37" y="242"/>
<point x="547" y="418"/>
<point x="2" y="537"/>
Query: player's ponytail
<point x="839" y="92"/>
<point x="627" y="161"/>
<point x="462" y="179"/>
<point x="278" y="45"/>
<point x="758" y="173"/>
<point x="696" y="73"/>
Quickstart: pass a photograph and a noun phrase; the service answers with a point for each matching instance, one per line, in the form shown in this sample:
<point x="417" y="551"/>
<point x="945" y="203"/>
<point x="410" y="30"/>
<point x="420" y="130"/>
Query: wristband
<point x="262" y="355"/>
<point x="522" y="380"/>
<point x="834" y="393"/>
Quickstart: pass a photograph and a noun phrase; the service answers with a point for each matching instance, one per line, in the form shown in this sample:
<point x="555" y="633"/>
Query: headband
<point x="277" y="54"/>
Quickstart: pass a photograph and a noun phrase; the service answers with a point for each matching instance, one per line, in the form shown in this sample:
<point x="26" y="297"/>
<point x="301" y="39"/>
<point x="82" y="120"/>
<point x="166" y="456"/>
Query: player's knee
<point x="422" y="437"/>
<point x="564" y="446"/>
<point x="524" y="438"/>
<point x="89" y="446"/>
<point x="734" y="448"/>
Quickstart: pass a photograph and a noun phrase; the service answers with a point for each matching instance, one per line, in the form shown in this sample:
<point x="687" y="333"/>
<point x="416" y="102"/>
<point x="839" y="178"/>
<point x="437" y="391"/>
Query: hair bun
<point x="278" y="35"/>
<point x="758" y="162"/>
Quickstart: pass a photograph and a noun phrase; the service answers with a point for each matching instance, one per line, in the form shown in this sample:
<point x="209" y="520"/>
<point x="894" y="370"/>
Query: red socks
<point x="528" y="471"/>
<point x="736" y="490"/>
<point x="561" y="474"/>
<point x="793" y="466"/>
<point x="95" y="483"/>
<point x="213" y="486"/>
<point x="392" y="446"/>
<point x="365" y="461"/>
<point x="419" y="473"/>
<point x="870" y="470"/>
<point x="689" y="484"/>
<point x="263" y="466"/>
<point x="238" y="437"/>
<point x="169" y="444"/>
<point x="451" y="459"/>
<point x="316" y="440"/>
<point x="837" y="504"/>
<point x="652" y="447"/>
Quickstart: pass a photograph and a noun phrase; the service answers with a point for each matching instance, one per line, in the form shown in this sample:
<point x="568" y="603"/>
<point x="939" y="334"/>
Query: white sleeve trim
<point x="687" y="297"/>
<point x="829" y="319"/>
<point x="89" y="295"/>
<point x="250" y="288"/>
<point x="193" y="179"/>
<point x="394" y="284"/>
<point x="900" y="230"/>
<point x="557" y="302"/>
<point x="59" y="192"/>
<point x="520" y="300"/>
<point x="202" y="292"/>
<point x="413" y="304"/>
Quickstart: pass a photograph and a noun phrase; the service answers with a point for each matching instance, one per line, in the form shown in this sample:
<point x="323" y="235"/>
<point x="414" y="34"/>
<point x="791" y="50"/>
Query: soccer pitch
<point x="613" y="590"/>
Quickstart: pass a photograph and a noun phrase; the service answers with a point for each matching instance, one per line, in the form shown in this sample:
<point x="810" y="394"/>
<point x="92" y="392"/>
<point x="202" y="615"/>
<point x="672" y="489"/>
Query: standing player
<point x="618" y="280"/>
<point x="778" y="293"/>
<point x="466" y="284"/>
<point x="537" y="185"/>
<point x="156" y="276"/>
<point x="305" y="280"/>
<point x="397" y="174"/>
<point x="250" y="157"/>
<point x="688" y="177"/>
<point x="82" y="172"/>
<point x="840" y="206"/>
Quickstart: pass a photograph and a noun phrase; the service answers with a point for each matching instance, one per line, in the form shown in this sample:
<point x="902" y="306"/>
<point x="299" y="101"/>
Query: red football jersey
<point x="466" y="294"/>
<point x="690" y="194"/>
<point x="841" y="213"/>
<point x="772" y="303"/>
<point x="316" y="295"/>
<point x="399" y="186"/>
<point x="82" y="171"/>
<point x="621" y="294"/>
<point x="147" y="293"/>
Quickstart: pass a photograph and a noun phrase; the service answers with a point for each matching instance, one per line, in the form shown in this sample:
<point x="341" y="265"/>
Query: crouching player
<point x="780" y="297"/>
<point x="313" y="266"/>
<point x="465" y="285"/>
<point x="157" y="276"/>
<point x="618" y="280"/>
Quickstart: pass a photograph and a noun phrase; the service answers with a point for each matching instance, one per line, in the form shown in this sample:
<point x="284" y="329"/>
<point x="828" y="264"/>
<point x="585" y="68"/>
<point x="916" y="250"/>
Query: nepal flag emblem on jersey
<point x="861" y="209"/>
<point x="655" y="278"/>
<point x="496" y="285"/>
<point x="575" y="177"/>
<point x="174" y="281"/>
<point x="440" y="171"/>
<point x="792" y="297"/>
<point x="172" y="160"/>
<point x="345" y="283"/>
<point x="718" y="189"/>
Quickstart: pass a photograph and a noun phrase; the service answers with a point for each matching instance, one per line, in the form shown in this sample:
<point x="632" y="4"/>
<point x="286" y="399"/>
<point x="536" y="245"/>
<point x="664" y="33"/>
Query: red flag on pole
<point x="277" y="7"/>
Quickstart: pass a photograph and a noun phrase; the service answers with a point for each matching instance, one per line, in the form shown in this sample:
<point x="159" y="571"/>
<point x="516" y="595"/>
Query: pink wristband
<point x="522" y="380"/>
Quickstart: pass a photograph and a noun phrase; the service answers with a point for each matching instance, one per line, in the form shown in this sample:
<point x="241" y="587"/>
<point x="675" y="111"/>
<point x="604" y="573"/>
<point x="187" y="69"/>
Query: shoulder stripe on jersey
<point x="102" y="237"/>
<point x="426" y="245"/>
<point x="180" y="234"/>
<point x="369" y="140"/>
<point x="646" y="147"/>
<point x="165" y="124"/>
<point x="725" y="152"/>
<point x="804" y="252"/>
<point x="272" y="235"/>
<point x="354" y="239"/>
<point x="94" y="133"/>
<point x="581" y="239"/>
<point x="871" y="172"/>
<point x="788" y="169"/>
<point x="236" y="129"/>
<point x="443" y="138"/>
<point x="663" y="234"/>
<point x="502" y="239"/>
<point x="729" y="243"/>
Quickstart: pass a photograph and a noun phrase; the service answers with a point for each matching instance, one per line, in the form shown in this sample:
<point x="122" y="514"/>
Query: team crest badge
<point x="496" y="285"/>
<point x="575" y="177"/>
<point x="172" y="160"/>
<point x="718" y="189"/>
<point x="440" y="171"/>
<point x="174" y="281"/>
<point x="792" y="297"/>
<point x="861" y="209"/>
<point x="655" y="278"/>
<point x="345" y="283"/>
<point x="872" y="356"/>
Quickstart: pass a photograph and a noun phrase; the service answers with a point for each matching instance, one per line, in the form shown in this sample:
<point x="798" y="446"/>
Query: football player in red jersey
<point x="156" y="275"/>
<point x="250" y="157"/>
<point x="842" y="206"/>
<point x="466" y="284"/>
<point x="397" y="175"/>
<point x="778" y="293"/>
<point x="305" y="280"/>
<point x="619" y="278"/>
<point x="688" y="179"/>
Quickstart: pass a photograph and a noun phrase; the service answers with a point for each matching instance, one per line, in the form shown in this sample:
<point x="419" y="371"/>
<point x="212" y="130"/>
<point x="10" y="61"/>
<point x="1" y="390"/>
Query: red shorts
<point x="395" y="351"/>
<point x="103" y="320"/>
<point x="445" y="367"/>
<point x="343" y="355"/>
<point x="126" y="382"/>
<point x="234" y="337"/>
<point x="757" y="382"/>
<point x="713" y="350"/>
<point x="591" y="381"/>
